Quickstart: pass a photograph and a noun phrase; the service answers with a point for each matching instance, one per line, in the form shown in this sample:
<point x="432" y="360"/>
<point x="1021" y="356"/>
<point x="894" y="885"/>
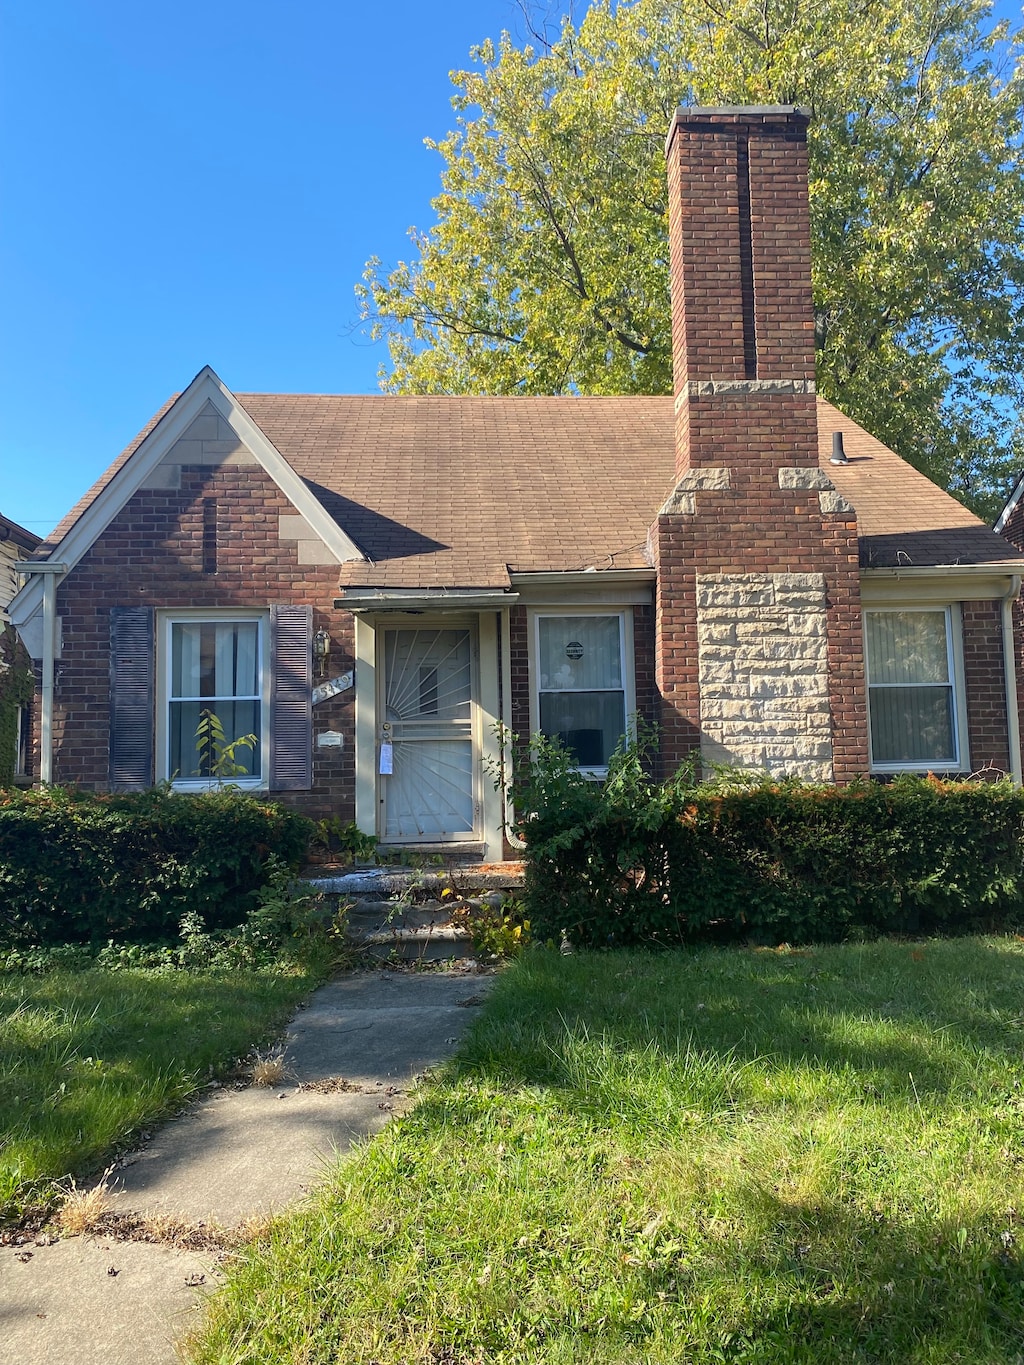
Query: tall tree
<point x="546" y="270"/>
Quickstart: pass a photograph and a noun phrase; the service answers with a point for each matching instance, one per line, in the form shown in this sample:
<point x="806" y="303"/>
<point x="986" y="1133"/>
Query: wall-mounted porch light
<point x="322" y="650"/>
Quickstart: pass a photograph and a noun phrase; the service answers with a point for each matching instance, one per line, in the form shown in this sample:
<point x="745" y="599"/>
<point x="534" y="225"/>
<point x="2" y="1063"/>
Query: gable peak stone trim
<point x="207" y="396"/>
<point x="310" y="548"/>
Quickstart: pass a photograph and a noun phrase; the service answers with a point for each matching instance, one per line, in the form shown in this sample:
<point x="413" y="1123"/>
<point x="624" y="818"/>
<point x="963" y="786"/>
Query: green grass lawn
<point x="89" y="1057"/>
<point x="711" y="1156"/>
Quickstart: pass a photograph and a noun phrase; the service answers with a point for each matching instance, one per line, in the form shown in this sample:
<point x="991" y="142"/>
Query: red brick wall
<point x="519" y="655"/>
<point x="152" y="554"/>
<point x="740" y="256"/>
<point x="985" y="685"/>
<point x="1013" y="530"/>
<point x="742" y="313"/>
<point x="647" y="702"/>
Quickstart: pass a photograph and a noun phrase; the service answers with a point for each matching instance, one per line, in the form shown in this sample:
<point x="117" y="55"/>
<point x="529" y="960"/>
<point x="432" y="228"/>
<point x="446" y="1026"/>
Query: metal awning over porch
<point x="424" y="599"/>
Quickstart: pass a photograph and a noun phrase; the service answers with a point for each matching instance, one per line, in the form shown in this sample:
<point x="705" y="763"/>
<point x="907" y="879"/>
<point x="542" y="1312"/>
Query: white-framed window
<point x="213" y="664"/>
<point x="583" y="682"/>
<point x="915" y="689"/>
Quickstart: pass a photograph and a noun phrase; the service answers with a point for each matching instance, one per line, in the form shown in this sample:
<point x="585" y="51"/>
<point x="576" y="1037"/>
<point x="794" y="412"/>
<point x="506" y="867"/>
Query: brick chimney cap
<point x="755" y="114"/>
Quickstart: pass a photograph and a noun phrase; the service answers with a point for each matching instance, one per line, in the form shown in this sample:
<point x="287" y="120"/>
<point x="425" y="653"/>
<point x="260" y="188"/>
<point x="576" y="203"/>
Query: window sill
<point x="215" y="784"/>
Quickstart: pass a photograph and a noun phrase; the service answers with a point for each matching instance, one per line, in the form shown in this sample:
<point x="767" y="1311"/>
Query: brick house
<point x="371" y="585"/>
<point x="15" y="544"/>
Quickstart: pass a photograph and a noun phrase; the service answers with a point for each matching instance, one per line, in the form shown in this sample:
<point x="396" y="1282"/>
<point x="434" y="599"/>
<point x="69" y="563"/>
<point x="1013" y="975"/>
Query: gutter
<point x="944" y="570"/>
<point x="581" y="577"/>
<point x="49" y="572"/>
<point x="1010" y="678"/>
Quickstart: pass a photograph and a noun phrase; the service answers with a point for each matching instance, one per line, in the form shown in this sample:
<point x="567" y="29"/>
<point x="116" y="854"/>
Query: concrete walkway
<point x="352" y="1056"/>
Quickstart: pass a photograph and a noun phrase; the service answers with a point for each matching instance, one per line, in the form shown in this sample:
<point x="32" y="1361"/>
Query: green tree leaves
<point x="546" y="271"/>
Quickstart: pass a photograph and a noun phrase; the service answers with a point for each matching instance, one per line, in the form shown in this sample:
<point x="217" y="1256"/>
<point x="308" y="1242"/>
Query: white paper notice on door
<point x="387" y="759"/>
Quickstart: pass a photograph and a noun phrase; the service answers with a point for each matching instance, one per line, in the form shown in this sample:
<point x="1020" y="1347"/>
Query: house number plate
<point x="332" y="688"/>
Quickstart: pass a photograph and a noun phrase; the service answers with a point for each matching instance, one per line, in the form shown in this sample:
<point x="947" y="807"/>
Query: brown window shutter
<point x="291" y="698"/>
<point x="131" y="698"/>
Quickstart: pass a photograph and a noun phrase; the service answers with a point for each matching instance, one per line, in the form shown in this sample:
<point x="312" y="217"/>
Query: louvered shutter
<point x="291" y="698"/>
<point x="131" y="698"/>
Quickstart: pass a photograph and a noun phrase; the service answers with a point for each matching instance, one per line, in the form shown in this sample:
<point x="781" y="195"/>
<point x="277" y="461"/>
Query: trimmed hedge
<point x="77" y="867"/>
<point x="633" y="862"/>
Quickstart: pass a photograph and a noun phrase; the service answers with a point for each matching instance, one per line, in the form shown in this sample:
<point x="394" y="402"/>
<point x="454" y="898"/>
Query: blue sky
<point x="201" y="183"/>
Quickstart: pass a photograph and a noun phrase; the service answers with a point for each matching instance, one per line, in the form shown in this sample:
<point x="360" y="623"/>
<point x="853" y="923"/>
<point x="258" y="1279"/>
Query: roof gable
<point x="1010" y="506"/>
<point x="204" y="424"/>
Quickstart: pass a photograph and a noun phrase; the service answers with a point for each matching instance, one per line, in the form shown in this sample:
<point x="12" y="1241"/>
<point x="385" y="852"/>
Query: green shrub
<point x="633" y="861"/>
<point x="292" y="928"/>
<point x="77" y="867"/>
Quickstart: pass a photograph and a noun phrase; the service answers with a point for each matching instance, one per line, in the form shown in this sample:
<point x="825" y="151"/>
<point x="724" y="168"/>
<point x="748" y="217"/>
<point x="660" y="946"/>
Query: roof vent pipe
<point x="839" y="455"/>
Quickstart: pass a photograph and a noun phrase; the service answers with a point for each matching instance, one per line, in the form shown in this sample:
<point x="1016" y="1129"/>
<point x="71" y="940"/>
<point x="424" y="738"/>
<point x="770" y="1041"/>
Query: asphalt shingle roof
<point x="458" y="491"/>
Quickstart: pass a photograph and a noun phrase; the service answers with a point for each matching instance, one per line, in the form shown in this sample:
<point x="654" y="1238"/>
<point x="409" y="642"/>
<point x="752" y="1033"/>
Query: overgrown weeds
<point x="268" y="1068"/>
<point x="291" y="927"/>
<point x="82" y="1209"/>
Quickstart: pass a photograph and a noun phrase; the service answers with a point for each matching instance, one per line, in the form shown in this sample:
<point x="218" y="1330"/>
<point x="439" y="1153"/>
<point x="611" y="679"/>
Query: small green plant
<point x="217" y="754"/>
<point x="499" y="932"/>
<point x="344" y="842"/>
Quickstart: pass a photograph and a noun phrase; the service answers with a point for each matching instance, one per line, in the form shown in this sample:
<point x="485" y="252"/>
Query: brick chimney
<point x="759" y="639"/>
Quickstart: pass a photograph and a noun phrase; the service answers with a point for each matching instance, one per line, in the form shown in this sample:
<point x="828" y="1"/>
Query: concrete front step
<point x="409" y="932"/>
<point x="385" y="882"/>
<point x="399" y="911"/>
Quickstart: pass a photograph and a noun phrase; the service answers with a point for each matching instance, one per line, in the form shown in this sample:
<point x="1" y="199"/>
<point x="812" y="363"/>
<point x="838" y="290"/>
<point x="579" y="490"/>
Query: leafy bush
<point x="77" y="867"/>
<point x="292" y="928"/>
<point x="745" y="857"/>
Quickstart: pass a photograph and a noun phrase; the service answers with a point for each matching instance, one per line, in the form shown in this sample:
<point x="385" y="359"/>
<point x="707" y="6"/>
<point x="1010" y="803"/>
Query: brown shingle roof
<point x="903" y="519"/>
<point x="455" y="492"/>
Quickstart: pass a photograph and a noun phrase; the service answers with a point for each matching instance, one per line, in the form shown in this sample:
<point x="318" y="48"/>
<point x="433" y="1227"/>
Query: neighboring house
<point x="553" y="564"/>
<point x="15" y="544"/>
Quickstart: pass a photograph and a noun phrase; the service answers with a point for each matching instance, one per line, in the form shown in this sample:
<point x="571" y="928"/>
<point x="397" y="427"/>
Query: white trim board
<point x="959" y="583"/>
<point x="205" y="389"/>
<point x="1011" y="503"/>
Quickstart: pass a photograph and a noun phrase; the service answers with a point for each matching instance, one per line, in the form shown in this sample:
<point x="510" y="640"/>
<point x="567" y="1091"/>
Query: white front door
<point x="431" y="793"/>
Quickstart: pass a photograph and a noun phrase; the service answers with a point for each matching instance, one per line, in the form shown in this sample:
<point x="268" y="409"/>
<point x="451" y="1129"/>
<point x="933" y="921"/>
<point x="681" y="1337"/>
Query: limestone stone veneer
<point x="764" y="697"/>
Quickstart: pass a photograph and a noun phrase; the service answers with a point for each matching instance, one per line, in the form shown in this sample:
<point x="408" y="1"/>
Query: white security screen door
<point x="431" y="792"/>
